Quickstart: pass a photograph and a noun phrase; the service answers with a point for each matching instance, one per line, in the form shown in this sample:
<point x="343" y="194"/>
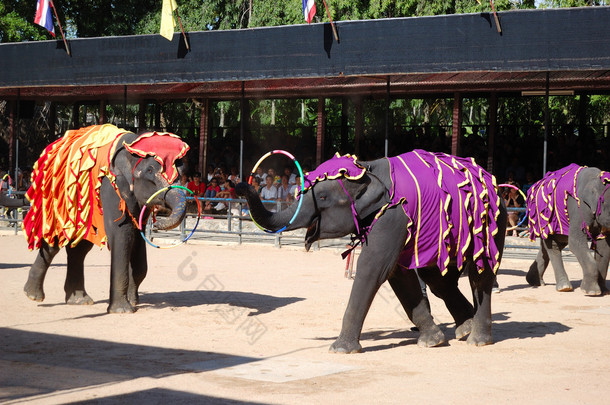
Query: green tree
<point x="17" y="22"/>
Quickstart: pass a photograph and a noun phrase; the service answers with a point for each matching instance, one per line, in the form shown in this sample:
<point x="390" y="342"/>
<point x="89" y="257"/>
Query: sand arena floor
<point x="233" y="324"/>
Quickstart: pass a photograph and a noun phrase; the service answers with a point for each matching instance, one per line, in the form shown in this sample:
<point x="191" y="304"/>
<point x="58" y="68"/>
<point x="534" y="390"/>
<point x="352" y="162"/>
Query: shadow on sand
<point x="41" y="364"/>
<point x="259" y="303"/>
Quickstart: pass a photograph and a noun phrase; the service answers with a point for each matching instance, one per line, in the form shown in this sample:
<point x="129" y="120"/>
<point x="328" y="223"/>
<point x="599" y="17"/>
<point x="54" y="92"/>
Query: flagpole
<point x="331" y="22"/>
<point x="60" y="29"/>
<point x="186" y="42"/>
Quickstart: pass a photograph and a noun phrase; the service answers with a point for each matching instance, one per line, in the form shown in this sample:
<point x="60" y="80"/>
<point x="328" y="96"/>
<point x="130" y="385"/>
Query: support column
<point x="52" y="119"/>
<point x="142" y="116"/>
<point x="359" y="125"/>
<point x="321" y="130"/>
<point x="491" y="135"/>
<point x="11" y="134"/>
<point x="157" y="116"/>
<point x="547" y="124"/>
<point x="204" y="129"/>
<point x="583" y="105"/>
<point x="75" y="116"/>
<point x="387" y="118"/>
<point x="102" y="119"/>
<point x="457" y="125"/>
<point x="344" y="127"/>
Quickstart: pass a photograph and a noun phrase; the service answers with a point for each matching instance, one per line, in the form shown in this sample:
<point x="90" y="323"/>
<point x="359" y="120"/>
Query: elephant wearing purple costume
<point x="420" y="210"/>
<point x="571" y="205"/>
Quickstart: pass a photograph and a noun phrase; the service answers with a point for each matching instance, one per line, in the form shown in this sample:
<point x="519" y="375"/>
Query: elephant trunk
<point x="175" y="199"/>
<point x="263" y="217"/>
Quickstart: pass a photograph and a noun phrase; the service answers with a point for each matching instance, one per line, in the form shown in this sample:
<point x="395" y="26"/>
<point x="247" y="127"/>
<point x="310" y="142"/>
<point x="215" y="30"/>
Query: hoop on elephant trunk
<point x="524" y="199"/>
<point x="296" y="163"/>
<point x="146" y="205"/>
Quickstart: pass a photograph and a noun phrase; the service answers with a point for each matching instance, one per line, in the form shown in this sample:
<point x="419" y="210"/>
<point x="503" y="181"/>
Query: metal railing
<point x="234" y="225"/>
<point x="12" y="217"/>
<point x="233" y="222"/>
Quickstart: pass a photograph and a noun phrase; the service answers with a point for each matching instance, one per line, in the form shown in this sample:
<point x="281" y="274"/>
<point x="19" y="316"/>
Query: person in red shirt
<point x="196" y="186"/>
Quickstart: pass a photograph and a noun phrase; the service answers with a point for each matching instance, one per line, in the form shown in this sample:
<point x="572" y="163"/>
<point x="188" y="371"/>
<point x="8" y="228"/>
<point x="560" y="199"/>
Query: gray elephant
<point x="571" y="205"/>
<point x="89" y="188"/>
<point x="433" y="212"/>
<point x="12" y="201"/>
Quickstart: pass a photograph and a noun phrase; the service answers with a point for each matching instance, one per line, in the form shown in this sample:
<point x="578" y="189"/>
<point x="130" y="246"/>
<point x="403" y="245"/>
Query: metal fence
<point x="232" y="224"/>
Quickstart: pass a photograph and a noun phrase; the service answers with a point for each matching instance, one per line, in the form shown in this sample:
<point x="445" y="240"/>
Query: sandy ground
<point x="252" y="324"/>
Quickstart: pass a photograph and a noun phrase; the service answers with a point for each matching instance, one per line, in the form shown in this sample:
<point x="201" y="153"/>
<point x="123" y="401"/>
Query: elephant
<point x="12" y="202"/>
<point x="89" y="188"/>
<point x="432" y="212"/>
<point x="571" y="205"/>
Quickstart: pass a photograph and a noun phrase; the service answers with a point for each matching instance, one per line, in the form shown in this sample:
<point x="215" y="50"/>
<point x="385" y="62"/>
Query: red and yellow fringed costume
<point x="64" y="195"/>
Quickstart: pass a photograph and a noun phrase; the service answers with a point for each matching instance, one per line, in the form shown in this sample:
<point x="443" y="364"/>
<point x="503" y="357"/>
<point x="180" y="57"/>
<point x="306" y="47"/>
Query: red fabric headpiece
<point x="164" y="147"/>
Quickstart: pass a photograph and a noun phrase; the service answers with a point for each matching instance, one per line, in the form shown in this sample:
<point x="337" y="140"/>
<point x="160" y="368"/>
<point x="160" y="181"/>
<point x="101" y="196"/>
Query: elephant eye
<point x="322" y="198"/>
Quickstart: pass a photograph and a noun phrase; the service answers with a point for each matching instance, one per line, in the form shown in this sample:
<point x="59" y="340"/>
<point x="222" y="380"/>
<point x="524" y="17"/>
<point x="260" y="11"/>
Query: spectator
<point x="210" y="173"/>
<point x="257" y="185"/>
<point x="283" y="191"/>
<point x="295" y="188"/>
<point x="260" y="175"/>
<point x="227" y="191"/>
<point x="513" y="199"/>
<point x="184" y="180"/>
<point x="234" y="176"/>
<point x="269" y="192"/>
<point x="196" y="186"/>
<point x="291" y="176"/>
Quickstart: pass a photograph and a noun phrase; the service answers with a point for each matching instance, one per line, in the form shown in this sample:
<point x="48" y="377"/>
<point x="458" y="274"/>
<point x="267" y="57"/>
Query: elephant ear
<point x="369" y="194"/>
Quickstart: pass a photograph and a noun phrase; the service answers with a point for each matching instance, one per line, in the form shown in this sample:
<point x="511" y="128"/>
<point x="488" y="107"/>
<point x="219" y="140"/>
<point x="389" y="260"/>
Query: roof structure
<point x="416" y="56"/>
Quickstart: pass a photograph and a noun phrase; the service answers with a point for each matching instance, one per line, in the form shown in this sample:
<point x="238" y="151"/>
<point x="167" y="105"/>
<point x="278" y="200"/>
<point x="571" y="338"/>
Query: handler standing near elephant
<point x="571" y="205"/>
<point x="88" y="187"/>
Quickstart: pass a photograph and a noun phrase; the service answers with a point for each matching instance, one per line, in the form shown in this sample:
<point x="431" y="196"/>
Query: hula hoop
<point x="146" y="205"/>
<point x="253" y="172"/>
<point x="9" y="183"/>
<point x="524" y="199"/>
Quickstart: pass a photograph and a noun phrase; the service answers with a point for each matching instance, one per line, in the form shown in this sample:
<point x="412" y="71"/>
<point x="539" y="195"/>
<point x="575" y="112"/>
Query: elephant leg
<point x="405" y="284"/>
<point x="580" y="247"/>
<point x="34" y="285"/>
<point x="446" y="288"/>
<point x="75" y="276"/>
<point x="481" y="285"/>
<point x="121" y="237"/>
<point x="602" y="259"/>
<point x="535" y="274"/>
<point x="553" y="246"/>
<point x="138" y="269"/>
<point x="378" y="258"/>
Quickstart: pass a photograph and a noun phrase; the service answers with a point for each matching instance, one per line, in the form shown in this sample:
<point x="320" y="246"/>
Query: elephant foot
<point x="134" y="298"/>
<point x="33" y="293"/>
<point x="533" y="278"/>
<point x="345" y="347"/>
<point x="432" y="338"/>
<point x="462" y="331"/>
<point x="79" y="298"/>
<point x="120" y="307"/>
<point x="591" y="288"/>
<point x="479" y="339"/>
<point x="565" y="286"/>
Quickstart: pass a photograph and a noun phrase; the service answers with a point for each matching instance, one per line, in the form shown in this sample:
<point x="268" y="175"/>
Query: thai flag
<point x="43" y="16"/>
<point x="309" y="10"/>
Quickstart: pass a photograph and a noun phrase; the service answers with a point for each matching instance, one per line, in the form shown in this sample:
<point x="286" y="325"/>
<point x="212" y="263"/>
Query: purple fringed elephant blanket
<point x="547" y="201"/>
<point x="451" y="204"/>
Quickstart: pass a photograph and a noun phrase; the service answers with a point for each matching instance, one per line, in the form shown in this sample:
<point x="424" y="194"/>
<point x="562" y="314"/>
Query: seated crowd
<point x="218" y="183"/>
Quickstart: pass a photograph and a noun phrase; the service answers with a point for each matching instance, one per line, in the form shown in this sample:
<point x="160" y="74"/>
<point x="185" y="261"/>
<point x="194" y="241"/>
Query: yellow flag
<point x="167" y="19"/>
